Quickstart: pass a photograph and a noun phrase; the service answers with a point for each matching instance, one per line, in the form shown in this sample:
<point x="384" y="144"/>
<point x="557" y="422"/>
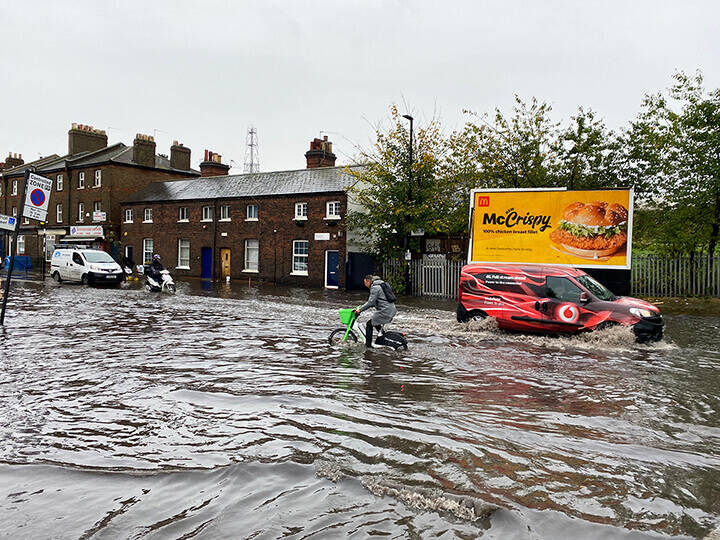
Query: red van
<point x="550" y="299"/>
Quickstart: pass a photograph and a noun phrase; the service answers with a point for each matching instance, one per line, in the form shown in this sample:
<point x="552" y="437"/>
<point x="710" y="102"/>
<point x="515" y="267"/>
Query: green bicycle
<point x="395" y="340"/>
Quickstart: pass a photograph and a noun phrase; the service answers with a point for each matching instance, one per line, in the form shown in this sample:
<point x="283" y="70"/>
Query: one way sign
<point x="37" y="197"/>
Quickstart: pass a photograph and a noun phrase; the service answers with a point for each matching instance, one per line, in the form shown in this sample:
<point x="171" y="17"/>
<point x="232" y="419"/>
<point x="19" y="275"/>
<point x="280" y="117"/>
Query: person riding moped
<point x="385" y="310"/>
<point x="155" y="268"/>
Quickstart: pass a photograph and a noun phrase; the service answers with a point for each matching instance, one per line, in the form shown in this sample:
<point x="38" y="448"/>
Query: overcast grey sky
<point x="203" y="71"/>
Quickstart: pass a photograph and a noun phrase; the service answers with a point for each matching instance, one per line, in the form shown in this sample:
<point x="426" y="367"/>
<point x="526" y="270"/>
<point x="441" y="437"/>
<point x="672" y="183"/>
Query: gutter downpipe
<point x="212" y="265"/>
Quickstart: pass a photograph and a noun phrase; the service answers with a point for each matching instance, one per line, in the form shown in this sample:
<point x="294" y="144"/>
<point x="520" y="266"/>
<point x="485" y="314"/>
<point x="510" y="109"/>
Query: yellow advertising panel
<point x="573" y="228"/>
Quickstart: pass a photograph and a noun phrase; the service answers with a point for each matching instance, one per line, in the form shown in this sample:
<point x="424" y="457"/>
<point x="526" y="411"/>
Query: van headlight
<point x="642" y="313"/>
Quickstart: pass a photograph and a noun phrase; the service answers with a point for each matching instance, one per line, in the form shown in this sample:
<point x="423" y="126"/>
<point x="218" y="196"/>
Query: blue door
<point x="206" y="260"/>
<point x="332" y="260"/>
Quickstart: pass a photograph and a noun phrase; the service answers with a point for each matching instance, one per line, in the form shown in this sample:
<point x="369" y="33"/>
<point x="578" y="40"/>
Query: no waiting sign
<point x="37" y="197"/>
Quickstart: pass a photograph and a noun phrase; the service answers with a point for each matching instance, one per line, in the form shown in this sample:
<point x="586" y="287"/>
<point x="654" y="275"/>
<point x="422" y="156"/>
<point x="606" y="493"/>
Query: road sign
<point x="8" y="223"/>
<point x="37" y="198"/>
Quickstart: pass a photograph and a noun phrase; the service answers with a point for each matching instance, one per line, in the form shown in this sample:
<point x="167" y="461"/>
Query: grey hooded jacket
<point x="385" y="311"/>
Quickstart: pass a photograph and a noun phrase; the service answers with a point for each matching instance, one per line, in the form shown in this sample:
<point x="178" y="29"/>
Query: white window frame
<point x="81" y="180"/>
<point x="298" y="257"/>
<point x="59" y="182"/>
<point x="14" y="188"/>
<point x="58" y="213"/>
<point x="209" y="212"/>
<point x="97" y="206"/>
<point x="225" y="212"/>
<point x="301" y="211"/>
<point x="81" y="211"/>
<point x="181" y="211"/>
<point x="248" y="213"/>
<point x="26" y="221"/>
<point x="248" y="268"/>
<point x="128" y="215"/>
<point x="98" y="178"/>
<point x="180" y="265"/>
<point x="0" y="189"/>
<point x="20" y="248"/>
<point x="333" y="205"/>
<point x="146" y="242"/>
<point x="14" y="211"/>
<point x="148" y="215"/>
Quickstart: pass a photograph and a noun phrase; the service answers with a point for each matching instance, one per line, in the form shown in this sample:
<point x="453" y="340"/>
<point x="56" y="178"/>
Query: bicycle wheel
<point x="337" y="335"/>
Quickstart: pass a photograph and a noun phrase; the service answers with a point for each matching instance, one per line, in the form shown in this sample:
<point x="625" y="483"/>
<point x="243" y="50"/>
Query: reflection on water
<point x="222" y="412"/>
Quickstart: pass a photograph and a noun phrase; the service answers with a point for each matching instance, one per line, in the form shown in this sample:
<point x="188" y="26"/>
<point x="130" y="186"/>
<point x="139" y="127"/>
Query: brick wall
<point x="275" y="230"/>
<point x="118" y="182"/>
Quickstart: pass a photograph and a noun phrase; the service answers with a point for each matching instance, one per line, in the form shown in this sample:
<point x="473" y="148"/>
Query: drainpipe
<point x="214" y="241"/>
<point x="68" y="174"/>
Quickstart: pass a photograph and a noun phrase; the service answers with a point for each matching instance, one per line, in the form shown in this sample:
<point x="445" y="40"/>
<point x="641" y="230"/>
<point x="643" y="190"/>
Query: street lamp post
<point x="406" y="241"/>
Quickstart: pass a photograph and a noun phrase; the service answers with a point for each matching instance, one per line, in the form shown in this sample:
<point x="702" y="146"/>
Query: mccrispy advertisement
<point x="574" y="228"/>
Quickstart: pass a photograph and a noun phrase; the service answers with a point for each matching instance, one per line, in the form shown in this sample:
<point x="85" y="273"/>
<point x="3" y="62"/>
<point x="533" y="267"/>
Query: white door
<point x="77" y="267"/>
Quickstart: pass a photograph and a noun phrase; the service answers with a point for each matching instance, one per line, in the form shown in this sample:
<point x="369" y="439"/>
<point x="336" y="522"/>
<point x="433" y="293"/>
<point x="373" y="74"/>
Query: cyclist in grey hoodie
<point x="385" y="310"/>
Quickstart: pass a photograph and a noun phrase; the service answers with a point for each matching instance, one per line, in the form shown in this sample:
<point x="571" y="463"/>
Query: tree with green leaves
<point x="393" y="205"/>
<point x="673" y="160"/>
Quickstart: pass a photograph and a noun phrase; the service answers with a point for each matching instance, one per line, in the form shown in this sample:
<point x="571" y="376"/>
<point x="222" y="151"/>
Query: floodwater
<point x="221" y="412"/>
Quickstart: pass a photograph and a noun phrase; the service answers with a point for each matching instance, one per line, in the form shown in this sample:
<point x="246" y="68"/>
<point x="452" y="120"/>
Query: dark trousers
<point x="369" y="332"/>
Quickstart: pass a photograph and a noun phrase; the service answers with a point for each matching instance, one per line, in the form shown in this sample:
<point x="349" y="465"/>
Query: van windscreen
<point x="597" y="288"/>
<point x="97" y="257"/>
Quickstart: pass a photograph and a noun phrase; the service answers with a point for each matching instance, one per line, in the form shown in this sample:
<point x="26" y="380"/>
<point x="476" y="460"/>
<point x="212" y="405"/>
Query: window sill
<point x="298" y="273"/>
<point x="126" y="222"/>
<point x="182" y="268"/>
<point x="333" y="218"/>
<point x="147" y="221"/>
<point x="206" y="221"/>
<point x="251" y="219"/>
<point x="246" y="271"/>
<point x="95" y="187"/>
<point x="183" y="221"/>
<point x="301" y="218"/>
<point x="225" y="220"/>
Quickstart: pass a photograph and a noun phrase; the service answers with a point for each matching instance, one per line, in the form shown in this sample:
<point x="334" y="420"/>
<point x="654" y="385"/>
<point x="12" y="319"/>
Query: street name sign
<point x="37" y="197"/>
<point x="8" y="223"/>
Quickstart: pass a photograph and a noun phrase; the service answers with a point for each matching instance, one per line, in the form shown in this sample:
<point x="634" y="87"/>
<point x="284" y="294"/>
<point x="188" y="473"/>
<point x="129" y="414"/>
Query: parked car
<point x="88" y="266"/>
<point x="550" y="299"/>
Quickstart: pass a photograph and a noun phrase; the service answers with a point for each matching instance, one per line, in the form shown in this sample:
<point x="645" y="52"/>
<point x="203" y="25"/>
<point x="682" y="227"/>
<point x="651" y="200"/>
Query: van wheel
<point x="56" y="277"/>
<point x="606" y="324"/>
<point x="84" y="279"/>
<point x="464" y="316"/>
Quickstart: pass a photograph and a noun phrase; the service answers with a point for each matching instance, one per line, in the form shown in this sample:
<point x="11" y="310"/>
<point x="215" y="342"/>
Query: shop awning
<point x="81" y="238"/>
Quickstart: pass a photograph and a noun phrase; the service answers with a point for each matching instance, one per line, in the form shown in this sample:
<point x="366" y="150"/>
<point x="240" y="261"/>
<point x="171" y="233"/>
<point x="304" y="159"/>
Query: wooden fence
<point x="651" y="276"/>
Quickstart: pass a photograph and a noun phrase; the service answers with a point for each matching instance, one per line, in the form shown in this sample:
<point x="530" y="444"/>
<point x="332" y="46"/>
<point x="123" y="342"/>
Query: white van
<point x="88" y="266"/>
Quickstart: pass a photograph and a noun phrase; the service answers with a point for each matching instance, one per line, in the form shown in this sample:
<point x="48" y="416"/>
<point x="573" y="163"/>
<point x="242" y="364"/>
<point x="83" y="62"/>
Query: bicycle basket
<point x="346" y="315"/>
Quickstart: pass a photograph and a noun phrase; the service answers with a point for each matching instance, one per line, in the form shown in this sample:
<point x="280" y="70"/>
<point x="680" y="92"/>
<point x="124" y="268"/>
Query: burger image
<point x="592" y="230"/>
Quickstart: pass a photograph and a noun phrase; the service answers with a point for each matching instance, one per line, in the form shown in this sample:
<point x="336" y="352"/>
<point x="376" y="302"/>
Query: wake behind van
<point x="550" y="299"/>
<point x="88" y="266"/>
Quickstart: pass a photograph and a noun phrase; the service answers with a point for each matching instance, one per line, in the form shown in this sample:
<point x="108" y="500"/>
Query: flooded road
<point x="223" y="413"/>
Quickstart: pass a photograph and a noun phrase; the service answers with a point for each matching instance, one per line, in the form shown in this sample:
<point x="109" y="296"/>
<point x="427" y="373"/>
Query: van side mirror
<point x="584" y="297"/>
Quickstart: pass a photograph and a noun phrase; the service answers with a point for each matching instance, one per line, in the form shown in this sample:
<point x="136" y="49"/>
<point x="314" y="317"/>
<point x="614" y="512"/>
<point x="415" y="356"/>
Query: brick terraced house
<point x="283" y="227"/>
<point x="89" y="183"/>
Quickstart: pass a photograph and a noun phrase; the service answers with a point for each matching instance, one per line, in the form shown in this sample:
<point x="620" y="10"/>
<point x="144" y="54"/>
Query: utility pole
<point x="406" y="240"/>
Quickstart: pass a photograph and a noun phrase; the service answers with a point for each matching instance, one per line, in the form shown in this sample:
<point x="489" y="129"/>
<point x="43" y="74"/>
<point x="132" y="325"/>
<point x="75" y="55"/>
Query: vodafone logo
<point x="568" y="313"/>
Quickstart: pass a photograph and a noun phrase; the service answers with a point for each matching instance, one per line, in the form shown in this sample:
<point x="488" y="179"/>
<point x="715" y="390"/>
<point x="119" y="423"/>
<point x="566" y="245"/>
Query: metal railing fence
<point x="651" y="275"/>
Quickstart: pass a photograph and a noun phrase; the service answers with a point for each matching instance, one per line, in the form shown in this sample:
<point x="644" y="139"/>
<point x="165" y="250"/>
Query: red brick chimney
<point x="320" y="154"/>
<point x="144" y="150"/>
<point x="82" y="138"/>
<point x="13" y="160"/>
<point x="212" y="165"/>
